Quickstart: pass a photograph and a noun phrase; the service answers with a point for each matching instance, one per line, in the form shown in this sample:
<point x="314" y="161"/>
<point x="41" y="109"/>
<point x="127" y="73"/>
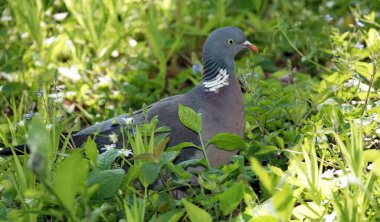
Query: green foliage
<point x="312" y="110"/>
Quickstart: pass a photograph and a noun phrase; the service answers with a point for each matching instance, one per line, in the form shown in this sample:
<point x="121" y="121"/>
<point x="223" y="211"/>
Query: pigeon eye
<point x="230" y="41"/>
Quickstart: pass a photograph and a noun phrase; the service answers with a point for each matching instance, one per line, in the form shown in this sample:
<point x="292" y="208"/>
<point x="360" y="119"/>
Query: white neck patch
<point x="218" y="82"/>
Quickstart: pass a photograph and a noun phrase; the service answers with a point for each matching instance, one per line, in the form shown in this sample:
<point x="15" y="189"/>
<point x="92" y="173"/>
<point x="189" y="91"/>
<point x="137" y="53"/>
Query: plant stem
<point x="374" y="70"/>
<point x="301" y="54"/>
<point x="204" y="151"/>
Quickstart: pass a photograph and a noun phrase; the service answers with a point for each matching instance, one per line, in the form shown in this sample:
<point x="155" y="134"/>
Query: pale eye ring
<point x="230" y="41"/>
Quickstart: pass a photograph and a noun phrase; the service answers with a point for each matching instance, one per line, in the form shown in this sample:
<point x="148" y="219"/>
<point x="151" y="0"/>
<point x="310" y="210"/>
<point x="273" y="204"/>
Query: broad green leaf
<point x="170" y="216"/>
<point x="91" y="150"/>
<point x="265" y="218"/>
<point x="149" y="172"/>
<point x="231" y="198"/>
<point x="283" y="202"/>
<point x="132" y="173"/>
<point x="263" y="175"/>
<point x="160" y="147"/>
<point x="109" y="182"/>
<point x="70" y="179"/>
<point x="107" y="158"/>
<point x="190" y="118"/>
<point x="182" y="145"/>
<point x="371" y="155"/>
<point x="228" y="141"/>
<point x="179" y="171"/>
<point x="195" y="213"/>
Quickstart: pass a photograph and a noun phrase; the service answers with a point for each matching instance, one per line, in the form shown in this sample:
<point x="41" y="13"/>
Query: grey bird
<point x="218" y="97"/>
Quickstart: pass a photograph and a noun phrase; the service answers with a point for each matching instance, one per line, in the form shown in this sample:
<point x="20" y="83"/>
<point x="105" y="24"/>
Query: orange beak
<point x="250" y="46"/>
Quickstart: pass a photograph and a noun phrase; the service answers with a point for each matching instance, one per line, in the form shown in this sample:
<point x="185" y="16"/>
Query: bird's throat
<point x="216" y="74"/>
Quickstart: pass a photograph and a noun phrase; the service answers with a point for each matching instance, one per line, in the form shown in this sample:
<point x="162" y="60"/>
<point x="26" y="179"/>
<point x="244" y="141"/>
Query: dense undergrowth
<point x="311" y="147"/>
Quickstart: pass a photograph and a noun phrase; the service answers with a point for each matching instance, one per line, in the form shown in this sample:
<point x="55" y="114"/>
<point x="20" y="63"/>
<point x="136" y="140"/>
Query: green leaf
<point x="132" y="173"/>
<point x="70" y="179"/>
<point x="38" y="141"/>
<point x="170" y="216"/>
<point x="109" y="182"/>
<point x="149" y="172"/>
<point x="160" y="147"/>
<point x="195" y="213"/>
<point x="190" y="118"/>
<point x="107" y="158"/>
<point x="91" y="150"/>
<point x="179" y="171"/>
<point x="283" y="202"/>
<point x="263" y="175"/>
<point x="228" y="141"/>
<point x="231" y="198"/>
<point x="182" y="145"/>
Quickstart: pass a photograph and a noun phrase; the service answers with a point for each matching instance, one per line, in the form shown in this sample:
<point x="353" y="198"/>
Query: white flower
<point x="21" y="123"/>
<point x="359" y="45"/>
<point x="328" y="174"/>
<point x="49" y="126"/>
<point x="329" y="217"/>
<point x="126" y="152"/>
<point x="328" y="18"/>
<point x="128" y="121"/>
<point x="109" y="147"/>
<point x="132" y="42"/>
<point x="50" y="40"/>
<point x="104" y="80"/>
<point x="70" y="72"/>
<point x="359" y="23"/>
<point x="28" y="201"/>
<point x="346" y="180"/>
<point x="113" y="138"/>
<point x="115" y="53"/>
<point x="60" y="16"/>
<point x="370" y="166"/>
<point x="6" y="18"/>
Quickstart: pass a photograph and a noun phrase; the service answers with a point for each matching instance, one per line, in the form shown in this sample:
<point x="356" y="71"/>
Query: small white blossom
<point x="28" y="201"/>
<point x="70" y="72"/>
<point x="370" y="166"/>
<point x="109" y="147"/>
<point x="328" y="174"/>
<point x="126" y="152"/>
<point x="359" y="23"/>
<point x="359" y="45"/>
<point x="50" y="40"/>
<point x="330" y="217"/>
<point x="60" y="16"/>
<point x="128" y="121"/>
<point x="115" y="53"/>
<point x="328" y="18"/>
<point x="113" y="138"/>
<point x="21" y="123"/>
<point x="132" y="42"/>
<point x="6" y="18"/>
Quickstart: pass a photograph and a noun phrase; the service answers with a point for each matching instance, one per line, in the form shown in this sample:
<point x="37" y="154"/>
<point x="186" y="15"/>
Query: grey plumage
<point x="218" y="97"/>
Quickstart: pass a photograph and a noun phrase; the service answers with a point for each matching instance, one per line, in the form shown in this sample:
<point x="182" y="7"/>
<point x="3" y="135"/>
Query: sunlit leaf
<point x="70" y="179"/>
<point x="190" y="118"/>
<point x="195" y="213"/>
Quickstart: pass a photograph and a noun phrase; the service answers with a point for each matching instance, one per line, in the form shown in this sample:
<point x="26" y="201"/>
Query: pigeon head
<point x="226" y="42"/>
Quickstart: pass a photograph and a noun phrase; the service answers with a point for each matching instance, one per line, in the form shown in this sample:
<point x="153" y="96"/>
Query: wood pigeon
<point x="217" y="97"/>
